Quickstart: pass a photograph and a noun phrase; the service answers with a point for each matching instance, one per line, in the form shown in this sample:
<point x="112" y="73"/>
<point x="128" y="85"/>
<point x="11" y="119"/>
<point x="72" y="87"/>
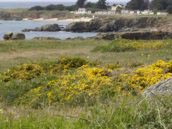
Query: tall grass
<point x="122" y="113"/>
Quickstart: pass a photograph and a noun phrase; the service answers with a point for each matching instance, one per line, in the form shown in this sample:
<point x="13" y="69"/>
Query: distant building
<point x="117" y="8"/>
<point x="125" y="12"/>
<point x="82" y="11"/>
<point x="162" y="13"/>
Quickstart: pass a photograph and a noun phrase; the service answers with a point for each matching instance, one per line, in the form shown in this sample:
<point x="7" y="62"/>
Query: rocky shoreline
<point x="49" y="27"/>
<point x="116" y="25"/>
<point x="138" y="35"/>
<point x="144" y="28"/>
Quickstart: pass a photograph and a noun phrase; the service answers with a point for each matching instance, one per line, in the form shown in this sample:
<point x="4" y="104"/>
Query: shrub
<point x="76" y="87"/>
<point x="37" y="8"/>
<point x="147" y="76"/>
<point x="23" y="72"/>
<point x="66" y="63"/>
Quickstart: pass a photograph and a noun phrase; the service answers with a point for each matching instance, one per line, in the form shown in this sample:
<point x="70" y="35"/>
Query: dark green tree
<point x="80" y="3"/>
<point x="90" y="5"/>
<point x="37" y="8"/>
<point x="101" y="4"/>
<point x="137" y="5"/>
<point x="169" y="9"/>
<point x="159" y="4"/>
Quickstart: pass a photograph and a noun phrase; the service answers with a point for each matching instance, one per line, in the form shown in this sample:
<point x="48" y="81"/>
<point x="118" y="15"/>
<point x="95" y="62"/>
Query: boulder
<point x="18" y="36"/>
<point x="49" y="27"/>
<point x="14" y="36"/>
<point x="7" y="36"/>
<point x="163" y="88"/>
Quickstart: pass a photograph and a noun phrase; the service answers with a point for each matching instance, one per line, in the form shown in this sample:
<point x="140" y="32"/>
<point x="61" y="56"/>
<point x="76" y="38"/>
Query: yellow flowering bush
<point x="77" y="81"/>
<point x="147" y="76"/>
<point x="65" y="63"/>
<point x="30" y="71"/>
<point x="23" y="72"/>
<point x="84" y="82"/>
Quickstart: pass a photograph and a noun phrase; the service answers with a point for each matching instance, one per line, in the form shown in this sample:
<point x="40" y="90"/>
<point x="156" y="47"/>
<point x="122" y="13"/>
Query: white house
<point x="117" y="8"/>
<point x="145" y="12"/>
<point x="82" y="11"/>
<point x="125" y="11"/>
<point x="162" y="13"/>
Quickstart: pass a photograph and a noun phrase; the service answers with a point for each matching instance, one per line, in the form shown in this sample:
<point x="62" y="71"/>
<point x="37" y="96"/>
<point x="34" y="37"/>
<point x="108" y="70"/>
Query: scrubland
<point x="83" y="84"/>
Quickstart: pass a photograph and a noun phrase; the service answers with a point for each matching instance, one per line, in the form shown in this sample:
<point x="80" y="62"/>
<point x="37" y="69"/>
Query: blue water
<point x="18" y="26"/>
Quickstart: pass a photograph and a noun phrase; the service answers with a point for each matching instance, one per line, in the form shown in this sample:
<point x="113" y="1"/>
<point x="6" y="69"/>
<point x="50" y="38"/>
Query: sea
<point x="18" y="26"/>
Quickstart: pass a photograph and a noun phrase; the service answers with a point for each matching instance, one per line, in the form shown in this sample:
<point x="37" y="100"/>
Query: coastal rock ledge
<point x="49" y="27"/>
<point x="163" y="88"/>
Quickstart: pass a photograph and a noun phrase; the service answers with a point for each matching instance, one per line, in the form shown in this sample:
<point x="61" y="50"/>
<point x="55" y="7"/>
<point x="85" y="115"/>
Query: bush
<point x="144" y="77"/>
<point x="37" y="8"/>
<point x="66" y="63"/>
<point x="78" y="87"/>
<point x="23" y="72"/>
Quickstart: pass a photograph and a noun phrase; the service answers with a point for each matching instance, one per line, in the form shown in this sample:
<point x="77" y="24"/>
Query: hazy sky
<point x="59" y="0"/>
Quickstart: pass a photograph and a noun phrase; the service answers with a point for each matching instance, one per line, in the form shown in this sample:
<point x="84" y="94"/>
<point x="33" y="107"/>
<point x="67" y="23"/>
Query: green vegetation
<point x="137" y="5"/>
<point x="101" y="4"/>
<point x="52" y="7"/>
<point x="130" y="45"/>
<point x="156" y="5"/>
<point x="80" y="3"/>
<point x="162" y="5"/>
<point x="126" y="112"/>
<point x="65" y="84"/>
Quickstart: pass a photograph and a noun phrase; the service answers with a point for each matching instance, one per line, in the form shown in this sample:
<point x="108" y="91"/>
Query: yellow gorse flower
<point x="149" y="75"/>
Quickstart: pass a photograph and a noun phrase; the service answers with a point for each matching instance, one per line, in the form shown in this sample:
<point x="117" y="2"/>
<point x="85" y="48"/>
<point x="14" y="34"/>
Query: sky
<point x="57" y="0"/>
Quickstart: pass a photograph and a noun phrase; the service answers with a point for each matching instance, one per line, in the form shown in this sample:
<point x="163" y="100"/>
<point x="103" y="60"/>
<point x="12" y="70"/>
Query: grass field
<point x="17" y="52"/>
<point x="88" y="73"/>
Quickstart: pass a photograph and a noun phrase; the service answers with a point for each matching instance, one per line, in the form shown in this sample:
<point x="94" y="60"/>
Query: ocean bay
<point x="18" y="26"/>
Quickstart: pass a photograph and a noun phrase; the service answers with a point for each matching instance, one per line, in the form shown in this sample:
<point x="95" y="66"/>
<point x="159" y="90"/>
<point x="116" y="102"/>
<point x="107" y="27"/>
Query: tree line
<point x="155" y="5"/>
<point x="100" y="4"/>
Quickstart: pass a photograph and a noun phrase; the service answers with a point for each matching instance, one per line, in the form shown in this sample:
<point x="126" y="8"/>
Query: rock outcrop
<point x="163" y="88"/>
<point x="138" y="35"/>
<point x="115" y="25"/>
<point x="146" y="35"/>
<point x="122" y="24"/>
<point x="91" y="26"/>
<point x="14" y="36"/>
<point x="50" y="28"/>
